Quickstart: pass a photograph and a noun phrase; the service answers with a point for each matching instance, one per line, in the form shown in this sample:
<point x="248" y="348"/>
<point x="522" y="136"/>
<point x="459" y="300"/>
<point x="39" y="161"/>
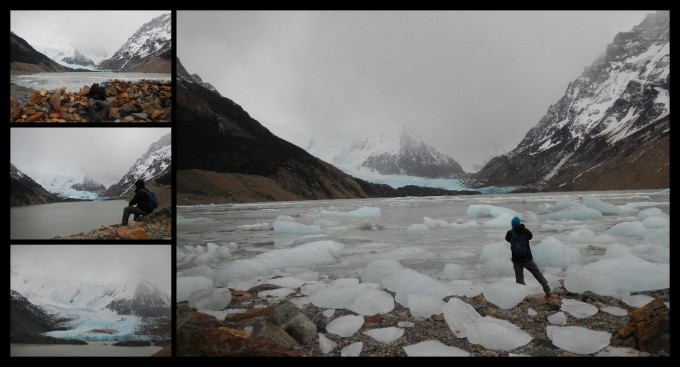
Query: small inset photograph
<point x="90" y="66"/>
<point x="90" y="184"/>
<point x="90" y="300"/>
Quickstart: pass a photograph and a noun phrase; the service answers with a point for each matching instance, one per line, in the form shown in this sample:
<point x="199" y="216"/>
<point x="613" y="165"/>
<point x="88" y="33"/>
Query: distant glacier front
<point x="73" y="81"/>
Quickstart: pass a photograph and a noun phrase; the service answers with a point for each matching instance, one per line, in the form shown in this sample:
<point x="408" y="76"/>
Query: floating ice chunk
<point x="300" y="302"/>
<point x="578" y="340"/>
<point x="629" y="229"/>
<point x="424" y="306"/>
<point x="585" y="235"/>
<point x="241" y="285"/>
<point x="326" y="345"/>
<point x="365" y="211"/>
<point x="255" y="227"/>
<point x="575" y="212"/>
<point x="188" y="285"/>
<point x="578" y="309"/>
<point x="215" y="299"/>
<point x="340" y="297"/>
<point x="559" y="205"/>
<point x="501" y="217"/>
<point x="457" y="313"/>
<point x="205" y="258"/>
<point x="345" y="326"/>
<point x="495" y="334"/>
<point x="345" y="282"/>
<point x="660" y="236"/>
<point x="597" y="204"/>
<point x="405" y="324"/>
<point x="324" y="223"/>
<point x="617" y="251"/>
<point x="616" y="311"/>
<point x="532" y="312"/>
<point x="219" y="252"/>
<point x="552" y="252"/>
<point x="417" y="227"/>
<point x="651" y="213"/>
<point x="434" y="223"/>
<point x="312" y="287"/>
<point x="637" y="300"/>
<point x="385" y="335"/>
<point x="451" y="272"/>
<point x="293" y="228"/>
<point x="659" y="253"/>
<point x="352" y="350"/>
<point x="656" y="222"/>
<point x="506" y="295"/>
<point x="558" y="318"/>
<point x="433" y="348"/>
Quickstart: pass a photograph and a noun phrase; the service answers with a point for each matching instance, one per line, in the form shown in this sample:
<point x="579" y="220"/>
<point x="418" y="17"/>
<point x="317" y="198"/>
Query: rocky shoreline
<point x="276" y="327"/>
<point x="137" y="101"/>
<point x="155" y="226"/>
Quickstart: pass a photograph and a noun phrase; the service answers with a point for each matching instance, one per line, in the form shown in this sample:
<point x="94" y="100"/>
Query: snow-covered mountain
<point x="71" y="187"/>
<point x="91" y="307"/>
<point x="183" y="74"/>
<point x="68" y="56"/>
<point x="611" y="129"/>
<point x="153" y="166"/>
<point x="147" y="50"/>
<point x="393" y="153"/>
<point x="23" y="190"/>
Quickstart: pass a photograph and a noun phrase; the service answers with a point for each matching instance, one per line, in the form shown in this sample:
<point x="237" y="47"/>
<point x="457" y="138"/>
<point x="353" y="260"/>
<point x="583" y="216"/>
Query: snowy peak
<point x="183" y="74"/>
<point x="148" y="301"/>
<point x="149" y="44"/>
<point x="401" y="153"/>
<point x="89" y="184"/>
<point x="68" y="56"/>
<point x="620" y="103"/>
<point x="154" y="165"/>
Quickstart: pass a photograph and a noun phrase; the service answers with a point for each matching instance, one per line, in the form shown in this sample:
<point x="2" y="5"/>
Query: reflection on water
<point x="76" y="80"/>
<point x="49" y="220"/>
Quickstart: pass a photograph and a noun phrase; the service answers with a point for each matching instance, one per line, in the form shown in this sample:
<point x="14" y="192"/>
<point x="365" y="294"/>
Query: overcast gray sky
<point x="97" y="34"/>
<point x="469" y="83"/>
<point x="97" y="263"/>
<point x="106" y="154"/>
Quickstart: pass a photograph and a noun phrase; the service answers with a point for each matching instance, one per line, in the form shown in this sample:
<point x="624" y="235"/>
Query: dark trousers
<point x="94" y="103"/>
<point x="132" y="210"/>
<point x="533" y="269"/>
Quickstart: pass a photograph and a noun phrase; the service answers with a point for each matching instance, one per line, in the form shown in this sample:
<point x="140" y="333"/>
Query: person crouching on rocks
<point x="143" y="206"/>
<point x="96" y="97"/>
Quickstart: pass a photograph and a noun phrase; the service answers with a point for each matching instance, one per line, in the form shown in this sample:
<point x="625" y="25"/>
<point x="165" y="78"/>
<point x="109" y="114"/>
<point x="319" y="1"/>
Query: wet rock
<point x="295" y="323"/>
<point x="648" y="329"/>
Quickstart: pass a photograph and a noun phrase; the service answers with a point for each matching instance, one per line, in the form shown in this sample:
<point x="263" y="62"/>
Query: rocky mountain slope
<point x="153" y="166"/>
<point x="148" y="50"/>
<point x="611" y="129"/>
<point x="24" y="59"/>
<point x="23" y="190"/>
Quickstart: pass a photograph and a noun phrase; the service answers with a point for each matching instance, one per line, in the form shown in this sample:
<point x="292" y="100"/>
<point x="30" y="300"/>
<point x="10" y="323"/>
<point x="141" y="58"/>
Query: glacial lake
<point x="46" y="221"/>
<point x="93" y="349"/>
<point x="76" y="80"/>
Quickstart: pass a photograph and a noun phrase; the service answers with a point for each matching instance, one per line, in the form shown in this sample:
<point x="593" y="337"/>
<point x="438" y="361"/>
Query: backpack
<point x="151" y="198"/>
<point x="518" y="244"/>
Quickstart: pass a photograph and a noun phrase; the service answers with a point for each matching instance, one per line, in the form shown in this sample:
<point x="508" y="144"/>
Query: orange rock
<point x="137" y="233"/>
<point x="373" y="319"/>
<point x="155" y="114"/>
<point x="238" y="333"/>
<point x="438" y="317"/>
<point x="145" y="87"/>
<point x="166" y="88"/>
<point x="30" y="111"/>
<point x="76" y="117"/>
<point x="36" y="98"/>
<point x="54" y="115"/>
<point x="237" y="293"/>
<point x="34" y="117"/>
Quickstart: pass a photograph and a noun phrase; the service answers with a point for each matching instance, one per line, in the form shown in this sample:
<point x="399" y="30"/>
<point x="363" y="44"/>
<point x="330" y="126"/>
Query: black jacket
<point x="142" y="201"/>
<point x="527" y="233"/>
<point x="97" y="93"/>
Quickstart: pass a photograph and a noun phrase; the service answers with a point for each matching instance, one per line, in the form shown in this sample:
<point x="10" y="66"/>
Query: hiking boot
<point x="551" y="296"/>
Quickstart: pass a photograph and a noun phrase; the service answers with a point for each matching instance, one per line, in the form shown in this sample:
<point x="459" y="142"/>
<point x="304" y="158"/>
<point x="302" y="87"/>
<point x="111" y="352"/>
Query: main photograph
<point x="416" y="183"/>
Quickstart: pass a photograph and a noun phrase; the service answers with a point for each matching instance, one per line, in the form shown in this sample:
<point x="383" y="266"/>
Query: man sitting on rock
<point x="141" y="200"/>
<point x="97" y="98"/>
